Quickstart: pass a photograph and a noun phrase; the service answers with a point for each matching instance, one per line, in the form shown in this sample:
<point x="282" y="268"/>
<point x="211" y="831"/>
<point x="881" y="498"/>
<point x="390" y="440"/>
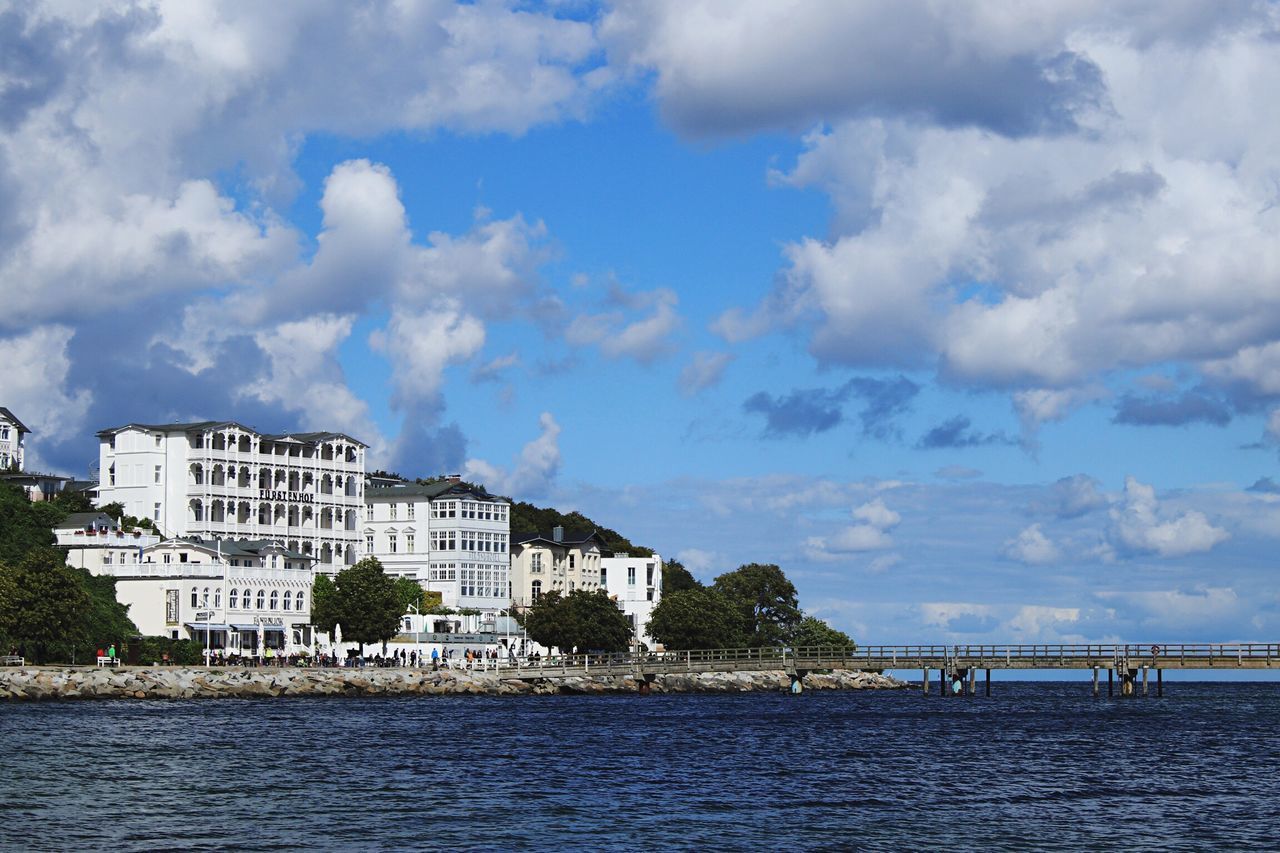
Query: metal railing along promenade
<point x="808" y="659"/>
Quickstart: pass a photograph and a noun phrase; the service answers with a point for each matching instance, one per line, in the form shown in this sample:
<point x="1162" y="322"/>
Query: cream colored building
<point x="12" y="441"/>
<point x="563" y="562"/>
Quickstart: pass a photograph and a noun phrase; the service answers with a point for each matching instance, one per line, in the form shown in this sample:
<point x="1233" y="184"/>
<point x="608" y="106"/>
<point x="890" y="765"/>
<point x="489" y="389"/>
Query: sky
<point x="965" y="314"/>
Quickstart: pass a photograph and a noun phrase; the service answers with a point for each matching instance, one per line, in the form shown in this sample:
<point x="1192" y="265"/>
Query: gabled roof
<point x="83" y="520"/>
<point x="570" y="538"/>
<point x="439" y="488"/>
<point x="12" y="418"/>
<point x="234" y="547"/>
<point x="202" y="426"/>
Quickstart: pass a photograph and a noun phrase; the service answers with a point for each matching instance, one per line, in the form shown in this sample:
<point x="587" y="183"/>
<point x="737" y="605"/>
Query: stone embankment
<point x="51" y="683"/>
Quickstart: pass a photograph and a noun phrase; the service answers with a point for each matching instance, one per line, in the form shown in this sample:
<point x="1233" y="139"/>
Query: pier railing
<point x="809" y="658"/>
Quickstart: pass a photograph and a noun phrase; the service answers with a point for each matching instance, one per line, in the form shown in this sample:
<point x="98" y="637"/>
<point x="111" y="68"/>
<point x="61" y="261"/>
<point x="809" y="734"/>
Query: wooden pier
<point x="956" y="665"/>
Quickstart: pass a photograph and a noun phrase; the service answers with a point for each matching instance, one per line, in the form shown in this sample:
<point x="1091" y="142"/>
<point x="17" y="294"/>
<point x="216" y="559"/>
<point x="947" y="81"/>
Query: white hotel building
<point x="450" y="537"/>
<point x="223" y="480"/>
<point x="12" y="435"/>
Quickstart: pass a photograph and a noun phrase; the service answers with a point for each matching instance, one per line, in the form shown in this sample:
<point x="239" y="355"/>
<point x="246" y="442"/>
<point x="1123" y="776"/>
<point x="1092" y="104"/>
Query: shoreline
<point x="47" y="683"/>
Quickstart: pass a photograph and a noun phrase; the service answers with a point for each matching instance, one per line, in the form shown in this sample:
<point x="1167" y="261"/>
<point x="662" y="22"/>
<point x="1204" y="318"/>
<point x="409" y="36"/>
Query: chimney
<point x="557" y="534"/>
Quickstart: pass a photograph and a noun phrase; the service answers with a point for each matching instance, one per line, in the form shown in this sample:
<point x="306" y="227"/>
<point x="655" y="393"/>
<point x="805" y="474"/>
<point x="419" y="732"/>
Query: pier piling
<point x="1095" y="682"/>
<point x="1111" y="675"/>
<point x="925" y="681"/>
<point x="1145" y="670"/>
<point x="988" y="681"/>
<point x="1159" y="683"/>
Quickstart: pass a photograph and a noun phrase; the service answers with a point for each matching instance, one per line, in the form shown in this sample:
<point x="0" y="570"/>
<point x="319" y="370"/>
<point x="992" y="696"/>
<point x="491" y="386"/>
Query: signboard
<point x="268" y="620"/>
<point x="288" y="497"/>
<point x="171" y="606"/>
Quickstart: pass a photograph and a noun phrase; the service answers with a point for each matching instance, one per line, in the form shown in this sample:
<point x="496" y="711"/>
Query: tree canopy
<point x="767" y="601"/>
<point x="698" y="618"/>
<point x="527" y="518"/>
<point x="25" y="526"/>
<point x="361" y="598"/>
<point x="676" y="578"/>
<point x="812" y="631"/>
<point x="587" y="621"/>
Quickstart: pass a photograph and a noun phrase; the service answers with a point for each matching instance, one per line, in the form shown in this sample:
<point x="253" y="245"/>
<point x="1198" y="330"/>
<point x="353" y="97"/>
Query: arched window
<point x="537" y="589"/>
<point x="275" y="600"/>
<point x="299" y="603"/>
<point x="204" y="602"/>
<point x="217" y="597"/>
<point x="262" y="599"/>
<point x="232" y="598"/>
<point x="288" y="600"/>
<point x="195" y="597"/>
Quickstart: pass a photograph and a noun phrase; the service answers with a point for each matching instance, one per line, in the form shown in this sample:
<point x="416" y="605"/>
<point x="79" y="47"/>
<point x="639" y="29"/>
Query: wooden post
<point x="925" y="681"/>
<point x="1111" y="674"/>
<point x="973" y="677"/>
<point x="942" y="680"/>
<point x="988" y="681"/>
<point x="1095" y="682"/>
<point x="1159" y="682"/>
<point x="1145" y="670"/>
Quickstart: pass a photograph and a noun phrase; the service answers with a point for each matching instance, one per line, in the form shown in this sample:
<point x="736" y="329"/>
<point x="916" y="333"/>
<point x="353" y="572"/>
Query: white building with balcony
<point x="247" y="595"/>
<point x="12" y="441"/>
<point x="449" y="536"/>
<point x="563" y="561"/>
<point x="635" y="583"/>
<point x="223" y="480"/>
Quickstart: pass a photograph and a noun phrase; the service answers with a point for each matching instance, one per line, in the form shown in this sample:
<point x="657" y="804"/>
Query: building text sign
<point x="288" y="497"/>
<point x="171" y="606"/>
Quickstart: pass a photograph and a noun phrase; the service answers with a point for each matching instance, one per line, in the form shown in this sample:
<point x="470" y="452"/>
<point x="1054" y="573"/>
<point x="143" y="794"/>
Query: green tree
<point x="24" y="526"/>
<point x="367" y="602"/>
<point x="676" y="578"/>
<point x="409" y="594"/>
<point x="812" y="631"/>
<point x="106" y="620"/>
<point x="767" y="601"/>
<point x="698" y="619"/>
<point x="43" y="607"/>
<point x="325" y="612"/>
<point x="587" y="621"/>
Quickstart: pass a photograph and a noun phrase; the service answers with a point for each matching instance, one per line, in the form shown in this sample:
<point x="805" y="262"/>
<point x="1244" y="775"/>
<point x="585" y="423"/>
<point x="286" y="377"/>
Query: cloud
<point x="1139" y="527"/>
<point x="959" y="617"/>
<point x="534" y="471"/>
<point x="1034" y="621"/>
<point x="1266" y="485"/>
<point x="703" y="371"/>
<point x="420" y="345"/>
<point x="870" y="532"/>
<point x="645" y="339"/>
<point x="884" y="563"/>
<point x="1032" y="547"/>
<point x="811" y="410"/>
<point x="698" y="561"/>
<point x="957" y="432"/>
<point x="957" y="472"/>
<point x="493" y="370"/>
<point x="35" y="386"/>
<point x="1074" y="496"/>
<point x="1191" y="406"/>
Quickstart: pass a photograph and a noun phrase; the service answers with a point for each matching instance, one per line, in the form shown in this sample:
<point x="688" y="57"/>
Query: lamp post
<point x="204" y="616"/>
<point x="417" y="632"/>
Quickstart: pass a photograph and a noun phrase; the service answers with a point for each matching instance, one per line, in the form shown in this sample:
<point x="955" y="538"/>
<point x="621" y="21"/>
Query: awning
<point x="254" y="628"/>
<point x="200" y="626"/>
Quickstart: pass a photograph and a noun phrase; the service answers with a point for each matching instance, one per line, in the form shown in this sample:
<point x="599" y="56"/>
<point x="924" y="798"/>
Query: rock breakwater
<point x="54" y="683"/>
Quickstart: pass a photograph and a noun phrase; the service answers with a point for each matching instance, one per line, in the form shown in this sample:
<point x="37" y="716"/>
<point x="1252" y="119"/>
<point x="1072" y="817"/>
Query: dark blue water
<point x="1036" y="766"/>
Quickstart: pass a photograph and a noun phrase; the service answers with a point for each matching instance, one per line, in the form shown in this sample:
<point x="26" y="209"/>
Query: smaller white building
<point x="12" y="442"/>
<point x="239" y="597"/>
<point x="635" y="583"/>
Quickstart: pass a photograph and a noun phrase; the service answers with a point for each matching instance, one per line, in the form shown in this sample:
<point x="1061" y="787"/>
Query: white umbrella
<point x="337" y="639"/>
<point x="262" y="641"/>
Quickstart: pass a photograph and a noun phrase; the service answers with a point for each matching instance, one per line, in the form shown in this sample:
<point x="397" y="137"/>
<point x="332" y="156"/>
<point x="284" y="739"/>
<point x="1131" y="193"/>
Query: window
<point x="410" y="508"/>
<point x="233" y="599"/>
<point x="571" y="560"/>
<point x="631" y="575"/>
<point x="157" y="440"/>
<point x="262" y="599"/>
<point x="4" y="433"/>
<point x="217" y="597"/>
<point x="156" y="512"/>
<point x="275" y="600"/>
<point x="393" y="512"/>
<point x="195" y="597"/>
<point x="604" y="581"/>
<point x="648" y="573"/>
<point x="204" y="601"/>
<point x="535" y="562"/>
<point x="408" y="542"/>
<point x="536" y="588"/>
<point x="288" y="600"/>
<point x="391" y="542"/>
<point x="106" y="558"/>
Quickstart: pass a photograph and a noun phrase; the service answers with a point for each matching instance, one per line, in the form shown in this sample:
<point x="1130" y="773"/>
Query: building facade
<point x="452" y="538"/>
<point x="635" y="583"/>
<point x="223" y="480"/>
<point x="12" y="442"/>
<point x="248" y="596"/>
<point x="562" y="561"/>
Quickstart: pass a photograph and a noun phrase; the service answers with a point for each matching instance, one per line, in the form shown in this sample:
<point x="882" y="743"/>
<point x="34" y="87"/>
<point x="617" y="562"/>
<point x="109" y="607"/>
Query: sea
<point x="1037" y="765"/>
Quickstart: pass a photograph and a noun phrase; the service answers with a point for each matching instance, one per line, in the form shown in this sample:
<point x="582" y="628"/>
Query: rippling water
<point x="1037" y="765"/>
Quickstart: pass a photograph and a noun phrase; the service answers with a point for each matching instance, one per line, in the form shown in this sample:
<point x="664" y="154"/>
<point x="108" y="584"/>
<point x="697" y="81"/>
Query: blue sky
<point x="967" y="317"/>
